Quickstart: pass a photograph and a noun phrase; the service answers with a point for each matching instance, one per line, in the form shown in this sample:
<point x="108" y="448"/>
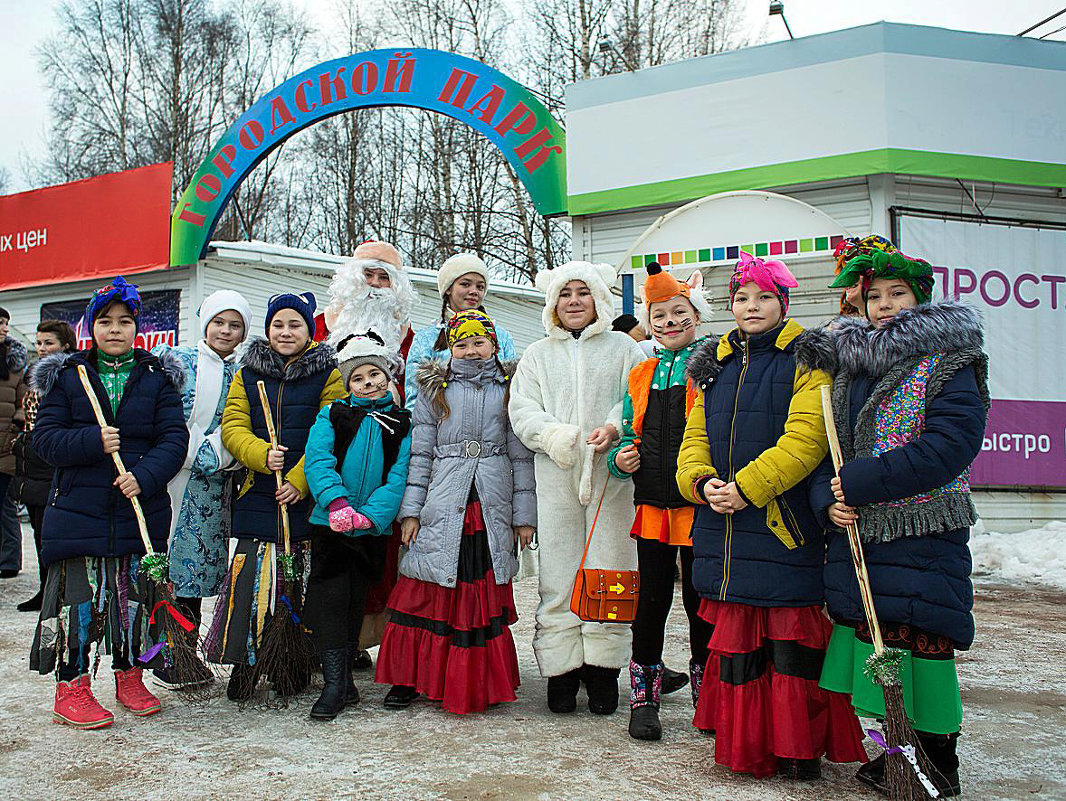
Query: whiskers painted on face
<point x="684" y="324"/>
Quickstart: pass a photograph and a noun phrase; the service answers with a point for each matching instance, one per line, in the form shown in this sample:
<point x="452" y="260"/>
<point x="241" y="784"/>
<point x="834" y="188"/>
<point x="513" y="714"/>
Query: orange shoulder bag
<point x="604" y="596"/>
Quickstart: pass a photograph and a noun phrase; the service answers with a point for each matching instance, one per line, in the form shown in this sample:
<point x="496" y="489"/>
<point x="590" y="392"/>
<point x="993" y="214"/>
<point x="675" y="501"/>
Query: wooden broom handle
<point x="142" y="524"/>
<point x="273" y="434"/>
<point x="857" y="558"/>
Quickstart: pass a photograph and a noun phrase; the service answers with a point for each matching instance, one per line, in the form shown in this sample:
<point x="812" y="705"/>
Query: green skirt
<point x="930" y="686"/>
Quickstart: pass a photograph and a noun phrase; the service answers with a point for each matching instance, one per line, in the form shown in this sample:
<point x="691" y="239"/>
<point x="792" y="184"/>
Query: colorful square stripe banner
<point x="707" y="255"/>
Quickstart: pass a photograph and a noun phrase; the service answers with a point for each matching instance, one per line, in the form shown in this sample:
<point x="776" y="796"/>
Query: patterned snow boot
<point x="132" y="694"/>
<point x="646" y="683"/>
<point x="76" y="705"/>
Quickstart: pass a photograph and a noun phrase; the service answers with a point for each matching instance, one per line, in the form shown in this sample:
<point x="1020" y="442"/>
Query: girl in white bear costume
<point x="566" y="406"/>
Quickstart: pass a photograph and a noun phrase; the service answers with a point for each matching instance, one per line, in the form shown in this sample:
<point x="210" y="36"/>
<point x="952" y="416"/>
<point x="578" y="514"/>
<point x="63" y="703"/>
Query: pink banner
<point x="1025" y="445"/>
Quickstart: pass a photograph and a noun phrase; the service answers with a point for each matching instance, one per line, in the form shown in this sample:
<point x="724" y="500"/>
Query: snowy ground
<point x="1012" y="749"/>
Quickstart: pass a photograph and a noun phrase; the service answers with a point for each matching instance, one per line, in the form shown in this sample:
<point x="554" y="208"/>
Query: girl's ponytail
<point x="438" y="402"/>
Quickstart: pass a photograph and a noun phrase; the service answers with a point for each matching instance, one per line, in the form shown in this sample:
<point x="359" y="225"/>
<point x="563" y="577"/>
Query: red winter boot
<point x="132" y="694"/>
<point x="77" y="706"/>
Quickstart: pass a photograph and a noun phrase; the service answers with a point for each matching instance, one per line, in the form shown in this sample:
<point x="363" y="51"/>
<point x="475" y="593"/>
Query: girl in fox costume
<point x="653" y="423"/>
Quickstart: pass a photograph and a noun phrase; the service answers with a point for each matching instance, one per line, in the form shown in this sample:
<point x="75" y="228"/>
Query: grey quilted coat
<point x="473" y="446"/>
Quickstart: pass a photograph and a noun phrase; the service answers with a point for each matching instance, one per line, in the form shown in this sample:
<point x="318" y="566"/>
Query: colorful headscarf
<point x="854" y="246"/>
<point x="879" y="264"/>
<point x="769" y="275"/>
<point x="471" y="323"/>
<point x="118" y="290"/>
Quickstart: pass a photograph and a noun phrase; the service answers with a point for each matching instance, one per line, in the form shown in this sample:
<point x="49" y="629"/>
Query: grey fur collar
<point x="260" y="358"/>
<point x="944" y="327"/>
<point x="432" y="374"/>
<point x="16" y="355"/>
<point x="42" y="375"/>
<point x="813" y="349"/>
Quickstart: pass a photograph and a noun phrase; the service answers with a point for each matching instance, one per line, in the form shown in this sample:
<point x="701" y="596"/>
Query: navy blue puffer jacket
<point x="762" y="427"/>
<point x="86" y="515"/>
<point x="296" y="390"/>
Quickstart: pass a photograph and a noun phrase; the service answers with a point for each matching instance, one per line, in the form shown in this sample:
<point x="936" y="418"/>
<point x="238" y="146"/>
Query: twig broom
<point x="286" y="656"/>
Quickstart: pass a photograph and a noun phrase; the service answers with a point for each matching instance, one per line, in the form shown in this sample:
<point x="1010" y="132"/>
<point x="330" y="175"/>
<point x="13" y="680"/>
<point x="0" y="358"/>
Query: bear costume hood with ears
<point x="598" y="277"/>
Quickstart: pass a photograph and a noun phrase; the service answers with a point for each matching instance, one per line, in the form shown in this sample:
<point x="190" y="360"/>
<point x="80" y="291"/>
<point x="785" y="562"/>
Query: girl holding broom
<point x="90" y="539"/>
<point x="910" y="400"/>
<point x="753" y="438"/>
<point x="299" y="377"/>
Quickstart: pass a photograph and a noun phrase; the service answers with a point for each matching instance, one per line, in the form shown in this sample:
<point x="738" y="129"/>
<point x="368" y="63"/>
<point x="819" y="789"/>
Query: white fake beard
<point x="377" y="310"/>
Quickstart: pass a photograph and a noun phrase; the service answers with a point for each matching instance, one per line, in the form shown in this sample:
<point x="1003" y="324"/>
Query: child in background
<point x="469" y="506"/>
<point x="911" y="401"/>
<point x="90" y="539"/>
<point x="300" y="377"/>
<point x="33" y="475"/>
<point x="201" y="494"/>
<point x="755" y="435"/>
<point x="656" y="405"/>
<point x="356" y="466"/>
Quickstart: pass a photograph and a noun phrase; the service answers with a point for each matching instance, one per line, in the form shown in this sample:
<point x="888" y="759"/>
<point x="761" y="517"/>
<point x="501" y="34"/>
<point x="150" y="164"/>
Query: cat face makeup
<point x="368" y="381"/>
<point x="673" y="322"/>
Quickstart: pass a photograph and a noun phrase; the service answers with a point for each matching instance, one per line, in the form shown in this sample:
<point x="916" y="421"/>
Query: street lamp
<point x="777" y="8"/>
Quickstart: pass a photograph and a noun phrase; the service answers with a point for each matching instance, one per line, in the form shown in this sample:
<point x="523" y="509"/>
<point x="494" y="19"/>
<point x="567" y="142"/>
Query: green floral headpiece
<point x="879" y="264"/>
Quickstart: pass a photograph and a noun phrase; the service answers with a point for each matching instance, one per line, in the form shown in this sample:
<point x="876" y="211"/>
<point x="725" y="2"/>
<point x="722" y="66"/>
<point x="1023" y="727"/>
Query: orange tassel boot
<point x="132" y="694"/>
<point x="77" y="706"/>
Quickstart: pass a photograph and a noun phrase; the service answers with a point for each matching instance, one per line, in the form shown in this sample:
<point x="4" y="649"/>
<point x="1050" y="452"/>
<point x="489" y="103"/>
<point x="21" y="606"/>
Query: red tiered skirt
<point x="760" y="692"/>
<point x="453" y="644"/>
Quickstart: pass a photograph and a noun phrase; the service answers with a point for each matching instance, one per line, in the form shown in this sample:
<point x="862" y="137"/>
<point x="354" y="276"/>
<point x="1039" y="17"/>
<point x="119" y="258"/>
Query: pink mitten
<point x="341" y="515"/>
<point x="361" y="521"/>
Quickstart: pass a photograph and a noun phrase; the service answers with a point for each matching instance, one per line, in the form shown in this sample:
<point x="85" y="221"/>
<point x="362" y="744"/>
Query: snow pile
<point x="1037" y="555"/>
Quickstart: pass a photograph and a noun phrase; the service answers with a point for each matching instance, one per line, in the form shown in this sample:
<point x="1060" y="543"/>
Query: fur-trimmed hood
<point x="432" y="374"/>
<point x="944" y="327"/>
<point x="42" y="375"/>
<point x="17" y="355"/>
<point x="598" y="277"/>
<point x="812" y="347"/>
<point x="261" y="358"/>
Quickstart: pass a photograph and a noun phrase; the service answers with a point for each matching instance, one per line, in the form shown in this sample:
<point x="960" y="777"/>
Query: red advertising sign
<point x="115" y="224"/>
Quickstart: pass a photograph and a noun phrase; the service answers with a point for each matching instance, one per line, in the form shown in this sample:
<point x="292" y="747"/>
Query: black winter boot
<point x="645" y="682"/>
<point x="601" y="683"/>
<point x="940" y="748"/>
<point x="333" y="698"/>
<point x="673" y="680"/>
<point x="400" y="697"/>
<point x="562" y="691"/>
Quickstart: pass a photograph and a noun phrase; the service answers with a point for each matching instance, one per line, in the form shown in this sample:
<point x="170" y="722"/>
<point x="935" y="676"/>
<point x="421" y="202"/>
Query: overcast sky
<point x="23" y="102"/>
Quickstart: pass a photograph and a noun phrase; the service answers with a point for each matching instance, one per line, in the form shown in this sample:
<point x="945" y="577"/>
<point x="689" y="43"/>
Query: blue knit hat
<point x="303" y="304"/>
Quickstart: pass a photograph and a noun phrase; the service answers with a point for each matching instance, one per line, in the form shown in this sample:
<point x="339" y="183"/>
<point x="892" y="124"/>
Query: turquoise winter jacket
<point x="362" y="481"/>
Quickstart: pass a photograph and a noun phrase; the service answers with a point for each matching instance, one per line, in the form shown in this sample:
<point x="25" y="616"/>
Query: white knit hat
<point x="224" y="300"/>
<point x="366" y="348"/>
<point x="457" y="265"/>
